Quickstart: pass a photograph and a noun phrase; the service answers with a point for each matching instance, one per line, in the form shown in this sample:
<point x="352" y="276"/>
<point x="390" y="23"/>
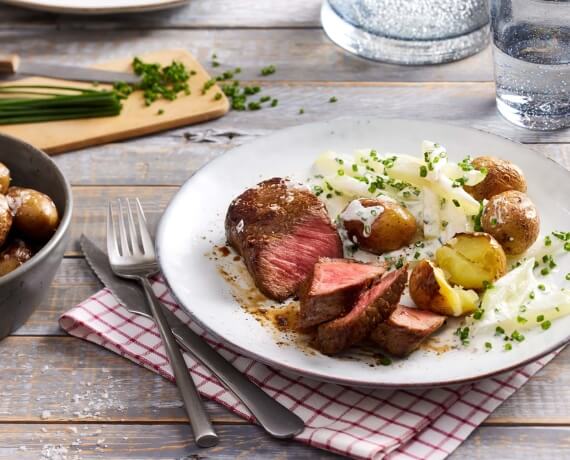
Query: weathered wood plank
<point x="170" y="159"/>
<point x="44" y="373"/>
<point x="76" y="381"/>
<point x="91" y="204"/>
<point x="146" y="442"/>
<point x="464" y="104"/>
<point x="28" y="442"/>
<point x="196" y="14"/>
<point x="298" y="54"/>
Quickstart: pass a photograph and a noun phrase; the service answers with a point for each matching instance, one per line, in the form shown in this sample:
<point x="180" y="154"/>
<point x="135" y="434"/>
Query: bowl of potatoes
<point x="35" y="214"/>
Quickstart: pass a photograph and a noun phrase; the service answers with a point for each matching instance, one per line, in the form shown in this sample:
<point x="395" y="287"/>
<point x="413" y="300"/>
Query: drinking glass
<point x="408" y="31"/>
<point x="531" y="49"/>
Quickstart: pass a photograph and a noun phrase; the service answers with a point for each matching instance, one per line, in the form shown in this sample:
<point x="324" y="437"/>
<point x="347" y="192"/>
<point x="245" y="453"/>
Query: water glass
<point x="531" y="49"/>
<point x="408" y="31"/>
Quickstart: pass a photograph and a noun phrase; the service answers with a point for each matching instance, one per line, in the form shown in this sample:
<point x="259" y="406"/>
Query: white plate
<point x="96" y="6"/>
<point x="195" y="218"/>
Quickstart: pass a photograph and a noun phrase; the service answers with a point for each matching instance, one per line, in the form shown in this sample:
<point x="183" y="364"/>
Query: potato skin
<point x="392" y="229"/>
<point x="501" y="176"/>
<point x="14" y="255"/>
<point x="471" y="260"/>
<point x="35" y="214"/>
<point x="4" y="178"/>
<point x="430" y="291"/>
<point x="424" y="288"/>
<point x="6" y="219"/>
<point x="512" y="219"/>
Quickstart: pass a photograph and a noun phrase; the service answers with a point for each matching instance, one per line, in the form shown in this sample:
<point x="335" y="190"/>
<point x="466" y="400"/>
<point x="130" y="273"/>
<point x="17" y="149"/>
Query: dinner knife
<point x="12" y="65"/>
<point x="277" y="420"/>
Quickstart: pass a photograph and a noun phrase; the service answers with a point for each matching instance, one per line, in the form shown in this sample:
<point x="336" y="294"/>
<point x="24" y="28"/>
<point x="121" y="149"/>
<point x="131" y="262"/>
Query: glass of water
<point x="531" y="48"/>
<point x="408" y="31"/>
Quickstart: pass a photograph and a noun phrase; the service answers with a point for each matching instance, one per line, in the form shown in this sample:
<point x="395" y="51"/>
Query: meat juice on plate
<point x="532" y="70"/>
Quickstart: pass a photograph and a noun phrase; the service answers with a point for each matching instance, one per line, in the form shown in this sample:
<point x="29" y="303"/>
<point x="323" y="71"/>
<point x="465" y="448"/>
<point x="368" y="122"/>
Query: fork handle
<point x="204" y="434"/>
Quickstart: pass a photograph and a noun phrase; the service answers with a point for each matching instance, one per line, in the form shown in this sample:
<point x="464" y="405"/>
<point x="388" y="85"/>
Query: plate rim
<point x="95" y="11"/>
<point x="315" y="374"/>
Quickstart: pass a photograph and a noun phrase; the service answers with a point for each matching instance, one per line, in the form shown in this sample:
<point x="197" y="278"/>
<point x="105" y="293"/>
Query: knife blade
<point x="13" y="66"/>
<point x="277" y="420"/>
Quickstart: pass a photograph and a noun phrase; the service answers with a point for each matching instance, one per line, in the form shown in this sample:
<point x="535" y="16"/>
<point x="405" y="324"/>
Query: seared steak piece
<point x="280" y="229"/>
<point x="372" y="306"/>
<point x="406" y="329"/>
<point x="333" y="287"/>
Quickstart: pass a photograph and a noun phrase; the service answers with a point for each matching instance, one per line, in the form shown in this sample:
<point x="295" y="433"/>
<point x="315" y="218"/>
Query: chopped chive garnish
<point x="268" y="70"/>
<point x="545" y="325"/>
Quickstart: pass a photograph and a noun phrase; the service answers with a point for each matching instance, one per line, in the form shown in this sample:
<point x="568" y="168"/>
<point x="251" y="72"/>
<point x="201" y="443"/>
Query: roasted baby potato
<point x="501" y="176"/>
<point x="4" y="178"/>
<point x="5" y="219"/>
<point x="378" y="225"/>
<point x="430" y="290"/>
<point x="14" y="255"/>
<point x="35" y="214"/>
<point x="472" y="259"/>
<point x="512" y="219"/>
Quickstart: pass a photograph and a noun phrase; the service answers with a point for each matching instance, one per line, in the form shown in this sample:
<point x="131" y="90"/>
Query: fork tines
<point x="133" y="236"/>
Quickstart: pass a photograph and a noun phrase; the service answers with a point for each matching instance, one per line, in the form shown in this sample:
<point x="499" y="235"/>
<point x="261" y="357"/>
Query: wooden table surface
<point x="56" y="390"/>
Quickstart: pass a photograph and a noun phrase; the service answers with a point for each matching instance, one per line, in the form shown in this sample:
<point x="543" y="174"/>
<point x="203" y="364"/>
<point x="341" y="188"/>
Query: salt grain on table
<point x="45" y="414"/>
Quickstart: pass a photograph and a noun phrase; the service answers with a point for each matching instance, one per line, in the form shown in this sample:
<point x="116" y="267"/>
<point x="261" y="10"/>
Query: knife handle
<point x="204" y="433"/>
<point x="276" y="419"/>
<point x="9" y="63"/>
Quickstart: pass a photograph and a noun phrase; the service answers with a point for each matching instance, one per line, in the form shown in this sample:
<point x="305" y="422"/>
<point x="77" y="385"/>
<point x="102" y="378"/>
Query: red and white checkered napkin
<point x="360" y="423"/>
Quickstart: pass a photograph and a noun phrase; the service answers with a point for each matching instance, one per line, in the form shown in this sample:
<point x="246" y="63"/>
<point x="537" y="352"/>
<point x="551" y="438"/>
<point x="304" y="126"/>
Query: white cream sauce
<point x="355" y="211"/>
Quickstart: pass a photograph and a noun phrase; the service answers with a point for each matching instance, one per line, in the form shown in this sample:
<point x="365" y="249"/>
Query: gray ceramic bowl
<point x="22" y="290"/>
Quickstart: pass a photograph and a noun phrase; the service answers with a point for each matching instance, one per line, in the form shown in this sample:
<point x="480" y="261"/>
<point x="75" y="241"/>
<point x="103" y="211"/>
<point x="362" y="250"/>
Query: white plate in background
<point x="92" y="7"/>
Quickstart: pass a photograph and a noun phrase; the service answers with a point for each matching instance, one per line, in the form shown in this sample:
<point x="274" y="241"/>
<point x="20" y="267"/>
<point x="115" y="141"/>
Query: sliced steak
<point x="372" y="306"/>
<point x="406" y="329"/>
<point x="280" y="229"/>
<point x="333" y="287"/>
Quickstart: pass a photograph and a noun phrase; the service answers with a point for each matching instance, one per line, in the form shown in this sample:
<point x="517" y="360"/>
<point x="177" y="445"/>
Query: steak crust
<point x="373" y="306"/>
<point x="280" y="229"/>
<point x="405" y="329"/>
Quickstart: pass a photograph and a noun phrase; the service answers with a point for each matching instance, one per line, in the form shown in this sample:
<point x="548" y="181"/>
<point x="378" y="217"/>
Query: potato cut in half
<point x="430" y="290"/>
<point x="472" y="260"/>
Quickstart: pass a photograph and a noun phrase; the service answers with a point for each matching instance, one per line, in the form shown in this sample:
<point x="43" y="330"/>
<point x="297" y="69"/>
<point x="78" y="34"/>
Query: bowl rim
<point x="64" y="222"/>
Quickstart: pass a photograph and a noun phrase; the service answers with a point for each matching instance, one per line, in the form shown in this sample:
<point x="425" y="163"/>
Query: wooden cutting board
<point x="136" y="119"/>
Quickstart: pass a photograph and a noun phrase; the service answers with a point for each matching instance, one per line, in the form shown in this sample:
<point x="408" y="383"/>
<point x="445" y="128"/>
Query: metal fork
<point x="132" y="255"/>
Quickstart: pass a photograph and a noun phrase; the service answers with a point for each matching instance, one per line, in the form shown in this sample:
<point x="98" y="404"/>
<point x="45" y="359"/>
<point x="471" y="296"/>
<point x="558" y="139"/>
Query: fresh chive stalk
<point x="39" y="103"/>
